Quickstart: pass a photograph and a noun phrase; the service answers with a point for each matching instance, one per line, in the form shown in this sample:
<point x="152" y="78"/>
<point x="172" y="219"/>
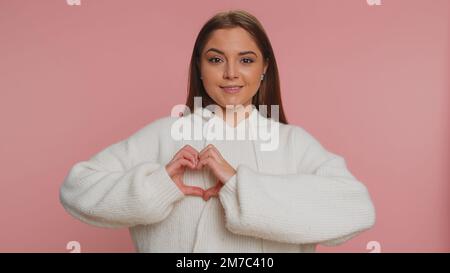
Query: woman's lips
<point x="232" y="90"/>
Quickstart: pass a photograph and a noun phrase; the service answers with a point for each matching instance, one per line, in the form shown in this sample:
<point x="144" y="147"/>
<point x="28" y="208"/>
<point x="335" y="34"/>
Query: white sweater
<point x="285" y="200"/>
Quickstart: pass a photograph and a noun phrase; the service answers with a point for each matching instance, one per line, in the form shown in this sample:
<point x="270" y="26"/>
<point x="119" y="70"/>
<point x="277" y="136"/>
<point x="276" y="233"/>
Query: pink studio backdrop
<point x="370" y="82"/>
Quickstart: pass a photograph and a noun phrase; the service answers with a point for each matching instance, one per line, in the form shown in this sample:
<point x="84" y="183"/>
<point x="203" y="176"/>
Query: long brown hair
<point x="269" y="90"/>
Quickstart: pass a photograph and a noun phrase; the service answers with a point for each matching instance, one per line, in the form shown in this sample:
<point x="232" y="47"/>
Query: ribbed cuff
<point x="228" y="196"/>
<point x="168" y="191"/>
<point x="229" y="188"/>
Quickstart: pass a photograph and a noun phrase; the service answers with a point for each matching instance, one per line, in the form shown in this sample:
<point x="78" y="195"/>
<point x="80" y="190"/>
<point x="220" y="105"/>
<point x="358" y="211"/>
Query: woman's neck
<point x="235" y="115"/>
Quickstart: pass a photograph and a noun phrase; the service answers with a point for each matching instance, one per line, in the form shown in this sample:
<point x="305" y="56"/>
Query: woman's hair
<point x="269" y="91"/>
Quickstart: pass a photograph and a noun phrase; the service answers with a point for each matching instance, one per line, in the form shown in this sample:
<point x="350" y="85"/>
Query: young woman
<point x="216" y="193"/>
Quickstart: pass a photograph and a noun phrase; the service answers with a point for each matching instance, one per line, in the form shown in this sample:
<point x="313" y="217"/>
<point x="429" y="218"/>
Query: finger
<point x="187" y="155"/>
<point x="191" y="150"/>
<point x="209" y="146"/>
<point x="191" y="190"/>
<point x="209" y="162"/>
<point x="214" y="191"/>
<point x="210" y="153"/>
<point x="184" y="162"/>
<point x="176" y="164"/>
<point x="216" y="151"/>
<point x="186" y="149"/>
<point x="200" y="163"/>
<point x="206" y="195"/>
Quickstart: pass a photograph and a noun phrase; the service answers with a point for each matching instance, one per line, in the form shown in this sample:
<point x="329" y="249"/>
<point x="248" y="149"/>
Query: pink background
<point x="369" y="82"/>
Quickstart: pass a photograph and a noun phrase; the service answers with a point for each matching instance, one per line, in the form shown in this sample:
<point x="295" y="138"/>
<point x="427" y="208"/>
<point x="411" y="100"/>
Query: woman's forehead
<point x="233" y="40"/>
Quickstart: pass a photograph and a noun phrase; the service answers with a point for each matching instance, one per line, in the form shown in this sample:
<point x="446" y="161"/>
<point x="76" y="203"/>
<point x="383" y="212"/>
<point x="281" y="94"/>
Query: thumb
<point x="206" y="195"/>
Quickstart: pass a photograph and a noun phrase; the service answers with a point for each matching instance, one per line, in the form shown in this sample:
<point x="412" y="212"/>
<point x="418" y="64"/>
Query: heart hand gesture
<point x="210" y="158"/>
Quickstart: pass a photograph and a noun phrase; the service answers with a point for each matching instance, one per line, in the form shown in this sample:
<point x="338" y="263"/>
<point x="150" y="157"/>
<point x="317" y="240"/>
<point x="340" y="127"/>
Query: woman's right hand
<point x="185" y="157"/>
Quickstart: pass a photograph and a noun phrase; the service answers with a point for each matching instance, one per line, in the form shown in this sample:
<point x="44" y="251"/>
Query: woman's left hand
<point x="223" y="171"/>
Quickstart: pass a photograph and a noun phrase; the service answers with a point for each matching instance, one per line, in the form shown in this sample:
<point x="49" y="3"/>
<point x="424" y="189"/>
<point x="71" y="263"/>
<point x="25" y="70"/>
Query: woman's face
<point x="231" y="58"/>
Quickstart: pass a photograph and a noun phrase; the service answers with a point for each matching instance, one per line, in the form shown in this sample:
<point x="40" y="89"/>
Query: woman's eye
<point x="214" y="60"/>
<point x="247" y="60"/>
<point x="217" y="60"/>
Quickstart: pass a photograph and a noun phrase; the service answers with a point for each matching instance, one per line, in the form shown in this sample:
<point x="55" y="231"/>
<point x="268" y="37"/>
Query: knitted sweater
<point x="287" y="199"/>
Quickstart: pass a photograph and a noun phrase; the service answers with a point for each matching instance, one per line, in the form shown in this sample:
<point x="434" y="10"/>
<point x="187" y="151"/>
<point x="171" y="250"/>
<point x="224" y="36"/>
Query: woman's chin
<point x="233" y="104"/>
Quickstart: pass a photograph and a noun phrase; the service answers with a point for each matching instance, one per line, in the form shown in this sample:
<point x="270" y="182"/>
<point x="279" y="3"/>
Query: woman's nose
<point x="230" y="71"/>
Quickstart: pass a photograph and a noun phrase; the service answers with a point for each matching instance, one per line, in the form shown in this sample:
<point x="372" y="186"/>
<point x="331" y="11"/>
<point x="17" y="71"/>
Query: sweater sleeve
<point x="121" y="186"/>
<point x="321" y="203"/>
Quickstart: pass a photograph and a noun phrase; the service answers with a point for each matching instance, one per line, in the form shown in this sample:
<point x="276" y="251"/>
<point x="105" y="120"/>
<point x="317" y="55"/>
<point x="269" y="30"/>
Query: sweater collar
<point x="255" y="119"/>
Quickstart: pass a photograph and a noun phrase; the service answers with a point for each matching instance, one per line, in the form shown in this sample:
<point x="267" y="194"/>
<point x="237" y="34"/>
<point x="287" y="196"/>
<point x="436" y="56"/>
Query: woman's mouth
<point x="231" y="89"/>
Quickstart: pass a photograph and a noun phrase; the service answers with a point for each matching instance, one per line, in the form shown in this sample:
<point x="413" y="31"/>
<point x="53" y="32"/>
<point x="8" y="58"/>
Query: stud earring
<point x="262" y="77"/>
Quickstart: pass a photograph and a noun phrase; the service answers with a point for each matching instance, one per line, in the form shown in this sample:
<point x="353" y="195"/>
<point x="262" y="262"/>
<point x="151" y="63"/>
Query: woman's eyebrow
<point x="240" y="53"/>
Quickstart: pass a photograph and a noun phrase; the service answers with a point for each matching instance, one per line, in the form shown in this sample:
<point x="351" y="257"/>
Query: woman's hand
<point x="213" y="191"/>
<point x="185" y="157"/>
<point x="211" y="158"/>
